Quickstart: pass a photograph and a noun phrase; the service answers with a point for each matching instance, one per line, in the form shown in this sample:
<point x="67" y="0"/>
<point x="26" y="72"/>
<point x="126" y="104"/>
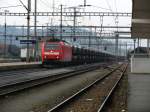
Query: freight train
<point x="62" y="52"/>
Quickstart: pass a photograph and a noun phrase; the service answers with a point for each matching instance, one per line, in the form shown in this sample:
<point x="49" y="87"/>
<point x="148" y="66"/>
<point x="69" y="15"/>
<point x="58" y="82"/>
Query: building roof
<point x="141" y="50"/>
<point x="141" y="19"/>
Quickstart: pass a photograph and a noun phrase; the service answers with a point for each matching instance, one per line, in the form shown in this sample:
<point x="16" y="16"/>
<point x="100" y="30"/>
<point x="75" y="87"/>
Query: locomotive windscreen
<point x="51" y="46"/>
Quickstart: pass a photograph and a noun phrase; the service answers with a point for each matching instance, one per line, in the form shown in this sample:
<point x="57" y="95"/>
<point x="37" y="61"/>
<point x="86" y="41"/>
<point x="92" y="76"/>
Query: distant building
<point x="140" y="52"/>
<point x="11" y="50"/>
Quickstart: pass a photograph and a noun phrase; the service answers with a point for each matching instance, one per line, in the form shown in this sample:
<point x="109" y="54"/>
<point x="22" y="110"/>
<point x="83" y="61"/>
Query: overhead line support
<point x="69" y="14"/>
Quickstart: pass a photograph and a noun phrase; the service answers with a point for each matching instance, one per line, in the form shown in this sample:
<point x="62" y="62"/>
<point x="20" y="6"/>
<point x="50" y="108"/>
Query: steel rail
<point x="111" y="91"/>
<point x="68" y="100"/>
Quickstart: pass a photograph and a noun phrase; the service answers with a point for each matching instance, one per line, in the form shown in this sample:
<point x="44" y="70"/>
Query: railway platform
<point x="9" y="60"/>
<point x="139" y="92"/>
<point x="18" y="65"/>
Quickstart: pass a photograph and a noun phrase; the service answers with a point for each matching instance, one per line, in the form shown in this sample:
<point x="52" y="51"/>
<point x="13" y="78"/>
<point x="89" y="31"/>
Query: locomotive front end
<point x="51" y="52"/>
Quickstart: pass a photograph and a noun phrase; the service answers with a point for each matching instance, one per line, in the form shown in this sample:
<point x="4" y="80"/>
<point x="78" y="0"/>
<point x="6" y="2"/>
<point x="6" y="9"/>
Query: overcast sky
<point x="47" y="5"/>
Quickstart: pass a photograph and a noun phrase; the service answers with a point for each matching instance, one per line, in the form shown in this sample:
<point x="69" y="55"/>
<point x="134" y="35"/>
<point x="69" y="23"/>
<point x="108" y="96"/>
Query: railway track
<point x="113" y="89"/>
<point x="84" y="99"/>
<point x="35" y="81"/>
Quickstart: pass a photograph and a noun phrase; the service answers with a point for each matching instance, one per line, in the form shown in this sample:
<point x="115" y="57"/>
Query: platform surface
<point x="18" y="63"/>
<point x="9" y="60"/>
<point x="139" y="93"/>
<point x="140" y="65"/>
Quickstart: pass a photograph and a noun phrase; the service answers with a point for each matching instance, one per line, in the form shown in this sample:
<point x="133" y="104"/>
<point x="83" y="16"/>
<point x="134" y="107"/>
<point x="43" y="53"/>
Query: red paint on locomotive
<point x="56" y="51"/>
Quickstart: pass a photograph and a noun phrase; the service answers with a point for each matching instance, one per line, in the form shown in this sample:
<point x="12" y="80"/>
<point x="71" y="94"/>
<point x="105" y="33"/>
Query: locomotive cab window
<point x="49" y="46"/>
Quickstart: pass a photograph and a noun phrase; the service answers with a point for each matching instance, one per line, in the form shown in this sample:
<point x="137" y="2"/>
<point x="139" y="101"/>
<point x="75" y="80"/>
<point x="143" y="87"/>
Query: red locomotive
<point x="56" y="51"/>
<point x="63" y="52"/>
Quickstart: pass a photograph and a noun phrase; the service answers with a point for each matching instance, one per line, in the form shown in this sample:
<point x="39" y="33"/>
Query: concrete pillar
<point x="138" y="46"/>
<point x="147" y="43"/>
<point x="116" y="47"/>
<point x="134" y="45"/>
<point x="148" y="47"/>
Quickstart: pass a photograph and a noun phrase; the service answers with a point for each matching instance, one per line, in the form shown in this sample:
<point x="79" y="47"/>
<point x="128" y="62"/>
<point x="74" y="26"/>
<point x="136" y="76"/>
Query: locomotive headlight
<point x="45" y="56"/>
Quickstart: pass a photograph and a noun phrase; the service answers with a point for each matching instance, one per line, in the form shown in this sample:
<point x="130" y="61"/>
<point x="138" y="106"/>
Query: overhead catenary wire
<point x="45" y="3"/>
<point x="23" y="5"/>
<point x="116" y="22"/>
<point x="116" y="5"/>
<point x="50" y="20"/>
<point x="115" y="18"/>
<point x="10" y="6"/>
<point x="100" y="7"/>
<point x="108" y="5"/>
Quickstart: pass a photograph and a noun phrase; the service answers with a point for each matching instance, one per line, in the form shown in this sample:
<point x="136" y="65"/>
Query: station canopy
<point x="141" y="19"/>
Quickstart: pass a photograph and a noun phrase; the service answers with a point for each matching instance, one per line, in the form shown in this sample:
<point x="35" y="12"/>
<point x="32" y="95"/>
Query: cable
<point x="46" y="4"/>
<point x="10" y="6"/>
<point x="116" y="6"/>
<point x="101" y="7"/>
<point x="54" y="8"/>
<point x="108" y="5"/>
<point x="23" y="5"/>
<point x="115" y="18"/>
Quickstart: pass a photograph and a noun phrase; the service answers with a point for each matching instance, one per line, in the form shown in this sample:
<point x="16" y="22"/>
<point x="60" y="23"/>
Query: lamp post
<point x="28" y="8"/>
<point x="5" y="32"/>
<point x="61" y="17"/>
<point x="35" y="32"/>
